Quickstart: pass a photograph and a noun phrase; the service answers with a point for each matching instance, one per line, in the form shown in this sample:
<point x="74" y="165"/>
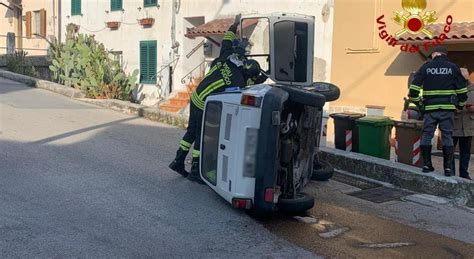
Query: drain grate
<point x="380" y="194"/>
<point x="356" y="182"/>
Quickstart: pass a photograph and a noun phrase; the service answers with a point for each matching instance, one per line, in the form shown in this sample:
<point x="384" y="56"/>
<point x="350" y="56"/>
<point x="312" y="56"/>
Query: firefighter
<point x="413" y="110"/>
<point x="230" y="69"/>
<point x="444" y="90"/>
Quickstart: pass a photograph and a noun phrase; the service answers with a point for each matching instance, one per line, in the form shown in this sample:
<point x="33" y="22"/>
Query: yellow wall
<point x="37" y="45"/>
<point x="9" y="23"/>
<point x="366" y="68"/>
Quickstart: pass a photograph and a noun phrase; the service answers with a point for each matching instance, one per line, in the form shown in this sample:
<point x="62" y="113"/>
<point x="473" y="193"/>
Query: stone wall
<point x="41" y="64"/>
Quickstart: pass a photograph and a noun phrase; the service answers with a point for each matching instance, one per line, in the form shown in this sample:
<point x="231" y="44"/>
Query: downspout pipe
<point x="60" y="17"/>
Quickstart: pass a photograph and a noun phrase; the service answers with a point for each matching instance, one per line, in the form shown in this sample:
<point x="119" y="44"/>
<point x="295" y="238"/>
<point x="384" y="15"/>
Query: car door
<point x="227" y="150"/>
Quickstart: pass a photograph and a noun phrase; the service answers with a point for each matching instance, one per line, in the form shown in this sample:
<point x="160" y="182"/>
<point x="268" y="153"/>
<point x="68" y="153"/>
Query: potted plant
<point x="146" y="21"/>
<point x="113" y="25"/>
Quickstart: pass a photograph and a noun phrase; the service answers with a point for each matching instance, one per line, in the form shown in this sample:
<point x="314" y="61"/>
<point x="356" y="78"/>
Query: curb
<point x="152" y="114"/>
<point x="401" y="175"/>
<point x="43" y="84"/>
<point x="139" y="110"/>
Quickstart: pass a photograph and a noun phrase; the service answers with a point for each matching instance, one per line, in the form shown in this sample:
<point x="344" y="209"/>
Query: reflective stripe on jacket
<point x="442" y="84"/>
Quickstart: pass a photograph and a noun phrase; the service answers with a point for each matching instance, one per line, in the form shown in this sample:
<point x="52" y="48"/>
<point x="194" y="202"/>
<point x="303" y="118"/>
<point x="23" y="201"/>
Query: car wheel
<point x="301" y="203"/>
<point x="303" y="96"/>
<point x="322" y="171"/>
<point x="330" y="91"/>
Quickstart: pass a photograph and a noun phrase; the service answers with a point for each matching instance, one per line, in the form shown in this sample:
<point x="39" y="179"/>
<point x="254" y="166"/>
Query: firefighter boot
<point x="426" y="154"/>
<point x="178" y="163"/>
<point x="194" y="175"/>
<point x="448" y="157"/>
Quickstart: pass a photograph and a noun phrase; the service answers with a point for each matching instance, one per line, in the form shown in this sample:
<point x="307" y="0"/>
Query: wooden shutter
<point x="75" y="7"/>
<point x="152" y="62"/>
<point x="28" y="25"/>
<point x="116" y="5"/>
<point x="43" y="22"/>
<point x="148" y="58"/>
<point x="148" y="3"/>
<point x="143" y="62"/>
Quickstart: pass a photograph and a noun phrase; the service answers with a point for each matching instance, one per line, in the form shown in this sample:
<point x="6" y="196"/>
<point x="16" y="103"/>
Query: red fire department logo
<point x="413" y="19"/>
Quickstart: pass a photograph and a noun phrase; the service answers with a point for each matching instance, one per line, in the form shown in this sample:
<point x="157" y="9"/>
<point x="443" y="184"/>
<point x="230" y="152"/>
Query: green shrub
<point x="84" y="63"/>
<point x="17" y="63"/>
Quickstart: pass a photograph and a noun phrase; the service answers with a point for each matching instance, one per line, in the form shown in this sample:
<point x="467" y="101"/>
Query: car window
<point x="210" y="143"/>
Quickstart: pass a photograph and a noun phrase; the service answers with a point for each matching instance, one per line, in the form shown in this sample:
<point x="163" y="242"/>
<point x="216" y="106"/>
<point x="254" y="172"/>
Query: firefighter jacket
<point x="442" y="84"/>
<point x="224" y="72"/>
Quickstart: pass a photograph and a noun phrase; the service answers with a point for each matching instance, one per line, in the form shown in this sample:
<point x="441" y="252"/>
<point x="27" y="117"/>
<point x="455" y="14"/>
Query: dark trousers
<point x="464" y="154"/>
<point x="442" y="119"/>
<point x="193" y="132"/>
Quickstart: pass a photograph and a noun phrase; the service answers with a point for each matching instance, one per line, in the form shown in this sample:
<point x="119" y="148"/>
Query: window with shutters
<point x="76" y="7"/>
<point x="148" y="62"/>
<point x="150" y="3"/>
<point x="116" y="5"/>
<point x="37" y="22"/>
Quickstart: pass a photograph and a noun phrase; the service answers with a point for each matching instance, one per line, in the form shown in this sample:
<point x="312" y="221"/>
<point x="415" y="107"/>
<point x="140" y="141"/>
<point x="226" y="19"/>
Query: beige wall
<point x="369" y="71"/>
<point x="36" y="45"/>
<point x="9" y="23"/>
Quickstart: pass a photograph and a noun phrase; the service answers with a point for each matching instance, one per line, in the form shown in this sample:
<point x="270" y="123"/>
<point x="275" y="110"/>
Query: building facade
<point x="151" y="35"/>
<point x="372" y="71"/>
<point x="34" y="23"/>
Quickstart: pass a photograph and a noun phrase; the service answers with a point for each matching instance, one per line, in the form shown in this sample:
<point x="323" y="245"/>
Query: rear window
<point x="210" y="143"/>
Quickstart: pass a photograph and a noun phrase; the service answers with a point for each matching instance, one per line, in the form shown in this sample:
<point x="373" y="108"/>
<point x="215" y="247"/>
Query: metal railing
<point x="201" y="68"/>
<point x="159" y="79"/>
<point x="26" y="42"/>
<point x="200" y="44"/>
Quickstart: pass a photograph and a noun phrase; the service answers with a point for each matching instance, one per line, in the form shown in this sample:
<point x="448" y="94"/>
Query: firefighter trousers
<point x="193" y="131"/>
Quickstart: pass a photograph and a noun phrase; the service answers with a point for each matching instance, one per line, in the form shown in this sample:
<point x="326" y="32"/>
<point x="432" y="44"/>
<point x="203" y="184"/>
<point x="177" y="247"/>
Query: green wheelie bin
<point x="374" y="136"/>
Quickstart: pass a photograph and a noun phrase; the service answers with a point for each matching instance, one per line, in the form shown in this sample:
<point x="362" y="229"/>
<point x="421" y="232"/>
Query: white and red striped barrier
<point x="417" y="151"/>
<point x="349" y="140"/>
<point x="396" y="149"/>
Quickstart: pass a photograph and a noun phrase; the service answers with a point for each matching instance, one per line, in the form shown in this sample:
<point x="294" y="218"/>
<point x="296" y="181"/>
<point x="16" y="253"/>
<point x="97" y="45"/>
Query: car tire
<point x="322" y="171"/>
<point x="301" y="203"/>
<point x="330" y="91"/>
<point x="303" y="96"/>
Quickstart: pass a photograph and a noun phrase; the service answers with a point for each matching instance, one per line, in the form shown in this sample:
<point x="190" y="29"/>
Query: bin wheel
<point x="303" y="96"/>
<point x="322" y="171"/>
<point x="330" y="91"/>
<point x="301" y="203"/>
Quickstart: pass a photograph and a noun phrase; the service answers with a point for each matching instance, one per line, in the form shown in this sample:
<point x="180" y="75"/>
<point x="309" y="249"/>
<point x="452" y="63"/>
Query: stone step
<point x="170" y="108"/>
<point x="184" y="95"/>
<point x="178" y="101"/>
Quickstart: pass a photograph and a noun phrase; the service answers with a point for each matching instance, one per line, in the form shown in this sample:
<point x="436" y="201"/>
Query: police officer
<point x="230" y="69"/>
<point x="444" y="90"/>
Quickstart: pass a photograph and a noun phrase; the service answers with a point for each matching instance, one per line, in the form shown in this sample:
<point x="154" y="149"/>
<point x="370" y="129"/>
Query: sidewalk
<point x="403" y="176"/>
<point x="437" y="159"/>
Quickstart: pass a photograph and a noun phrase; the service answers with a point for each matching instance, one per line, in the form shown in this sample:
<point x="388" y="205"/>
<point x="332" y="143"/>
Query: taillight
<point x="242" y="203"/>
<point x="251" y="100"/>
<point x="269" y="195"/>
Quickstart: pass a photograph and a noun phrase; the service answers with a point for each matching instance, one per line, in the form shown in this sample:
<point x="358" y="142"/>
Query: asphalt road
<point x="80" y="181"/>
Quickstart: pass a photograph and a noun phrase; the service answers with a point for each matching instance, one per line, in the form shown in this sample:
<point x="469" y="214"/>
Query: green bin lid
<point x="375" y="121"/>
<point x="348" y="115"/>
